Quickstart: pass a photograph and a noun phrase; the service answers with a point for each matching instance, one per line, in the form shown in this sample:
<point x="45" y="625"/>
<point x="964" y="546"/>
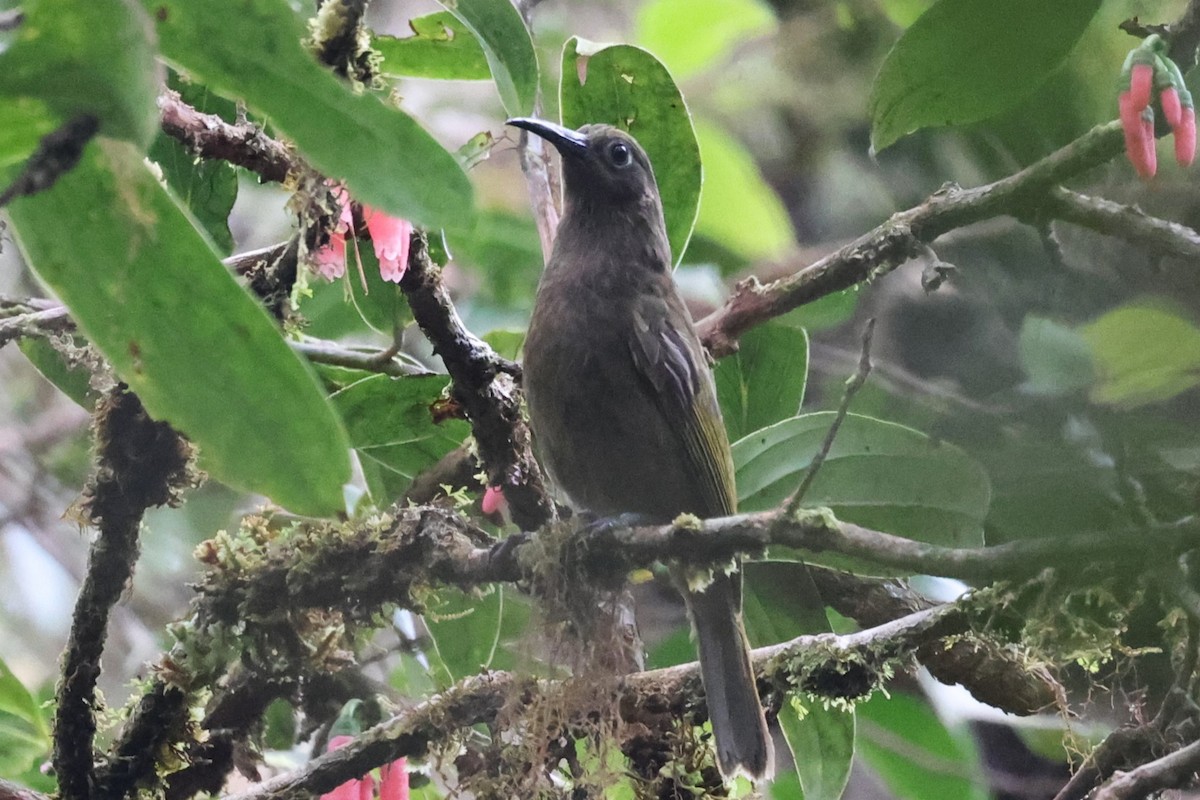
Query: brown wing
<point x="668" y="355"/>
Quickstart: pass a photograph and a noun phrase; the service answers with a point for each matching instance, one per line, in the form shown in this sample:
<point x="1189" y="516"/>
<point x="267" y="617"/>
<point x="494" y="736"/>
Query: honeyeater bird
<point x="622" y="403"/>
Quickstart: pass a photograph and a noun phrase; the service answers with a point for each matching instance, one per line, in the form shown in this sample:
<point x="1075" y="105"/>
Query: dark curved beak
<point x="565" y="140"/>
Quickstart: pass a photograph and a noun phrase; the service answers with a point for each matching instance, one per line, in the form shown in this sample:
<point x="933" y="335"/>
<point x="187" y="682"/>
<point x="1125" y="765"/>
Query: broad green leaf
<point x="473" y="633"/>
<point x="966" y="60"/>
<point x="628" y="87"/>
<point x="780" y="602"/>
<point x="763" y="382"/>
<point x="692" y="35"/>
<point x="877" y="474"/>
<point x="441" y="46"/>
<point x="87" y="58"/>
<point x="1143" y="355"/>
<point x="146" y="288"/>
<point x="208" y="187"/>
<point x="904" y="12"/>
<point x="386" y="159"/>
<point x="24" y="731"/>
<point x="504" y="250"/>
<point x="74" y="383"/>
<point x="822" y="745"/>
<point x="903" y="741"/>
<point x="23" y="122"/>
<point x="1056" y="359"/>
<point x="738" y="209"/>
<point x="15" y="699"/>
<point x="509" y="50"/>
<point x="391" y="422"/>
<point x="381" y="305"/>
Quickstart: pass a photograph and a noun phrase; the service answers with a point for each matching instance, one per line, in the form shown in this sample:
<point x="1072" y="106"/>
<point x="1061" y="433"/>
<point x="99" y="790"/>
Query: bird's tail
<point x="743" y="744"/>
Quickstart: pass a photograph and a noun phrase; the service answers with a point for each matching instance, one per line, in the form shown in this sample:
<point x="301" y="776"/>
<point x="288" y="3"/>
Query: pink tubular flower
<point x="1141" y="83"/>
<point x="393" y="784"/>
<point x="1185" y="137"/>
<point x="393" y="781"/>
<point x="389" y="235"/>
<point x="493" y="500"/>
<point x="1139" y="135"/>
<point x="1172" y="110"/>
<point x="359" y="789"/>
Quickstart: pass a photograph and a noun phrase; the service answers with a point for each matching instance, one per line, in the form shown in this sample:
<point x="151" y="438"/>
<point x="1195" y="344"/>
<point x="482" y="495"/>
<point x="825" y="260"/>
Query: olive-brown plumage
<point x="622" y="402"/>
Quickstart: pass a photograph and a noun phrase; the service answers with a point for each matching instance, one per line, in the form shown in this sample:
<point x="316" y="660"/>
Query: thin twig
<point x="852" y="386"/>
<point x="57" y="154"/>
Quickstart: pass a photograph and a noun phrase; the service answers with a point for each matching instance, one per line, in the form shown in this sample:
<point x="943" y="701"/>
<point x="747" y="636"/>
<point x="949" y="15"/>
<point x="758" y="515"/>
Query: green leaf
<point x="391" y="423"/>
<point x="148" y="290"/>
<point x="877" y="474"/>
<point x="441" y="46"/>
<point x="966" y="60"/>
<point x="75" y="383"/>
<point x="473" y="633"/>
<point x="1056" y="359"/>
<point x="1143" y="354"/>
<point x="381" y="305"/>
<point x="822" y="745"/>
<point x="692" y="35"/>
<point x="628" y="87"/>
<point x="208" y="187"/>
<point x="23" y="122"/>
<point x="93" y="58"/>
<point x="509" y="50"/>
<point x="903" y="741"/>
<point x="24" y="731"/>
<point x="763" y="382"/>
<point x="383" y="155"/>
<point x="739" y="210"/>
<point x="18" y="701"/>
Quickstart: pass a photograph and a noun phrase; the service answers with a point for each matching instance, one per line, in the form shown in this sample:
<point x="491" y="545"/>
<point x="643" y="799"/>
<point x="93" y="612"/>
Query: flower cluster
<point x="389" y="235"/>
<point x="393" y="780"/>
<point x="1147" y="71"/>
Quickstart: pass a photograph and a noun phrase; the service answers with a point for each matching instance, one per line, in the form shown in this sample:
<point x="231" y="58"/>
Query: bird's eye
<point x="620" y="154"/>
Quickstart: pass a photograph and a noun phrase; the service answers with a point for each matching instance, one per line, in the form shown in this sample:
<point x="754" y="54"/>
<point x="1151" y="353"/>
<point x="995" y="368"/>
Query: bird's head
<point x="601" y="164"/>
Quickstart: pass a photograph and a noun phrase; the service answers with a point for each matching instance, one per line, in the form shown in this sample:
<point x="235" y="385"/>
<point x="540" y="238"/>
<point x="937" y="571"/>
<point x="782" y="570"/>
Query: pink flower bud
<point x="1139" y="140"/>
<point x="1185" y="138"/>
<point x="393" y="783"/>
<point x="493" y="500"/>
<point x="330" y="259"/>
<point x="1168" y="98"/>
<point x="1141" y="83"/>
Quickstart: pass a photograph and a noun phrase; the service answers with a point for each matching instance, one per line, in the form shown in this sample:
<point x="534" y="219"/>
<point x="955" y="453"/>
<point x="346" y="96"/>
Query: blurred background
<point x="992" y="360"/>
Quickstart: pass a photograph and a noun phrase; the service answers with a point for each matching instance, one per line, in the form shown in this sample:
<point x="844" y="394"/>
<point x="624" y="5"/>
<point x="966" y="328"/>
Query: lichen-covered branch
<point x="485" y="385"/>
<point x="846" y="667"/>
<point x="140" y="463"/>
<point x="208" y="136"/>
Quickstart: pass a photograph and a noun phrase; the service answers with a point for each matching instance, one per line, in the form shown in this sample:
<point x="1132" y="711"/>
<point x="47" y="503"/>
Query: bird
<point x="623" y="406"/>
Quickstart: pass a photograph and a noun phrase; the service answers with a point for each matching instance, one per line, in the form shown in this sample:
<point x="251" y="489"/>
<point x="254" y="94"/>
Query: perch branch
<point x="806" y="662"/>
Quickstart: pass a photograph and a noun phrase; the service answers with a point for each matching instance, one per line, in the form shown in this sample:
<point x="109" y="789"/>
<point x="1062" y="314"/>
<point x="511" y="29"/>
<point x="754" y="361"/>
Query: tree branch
<point x="1124" y="222"/>
<point x="852" y="664"/>
<point x="484" y="385"/>
<point x="140" y="463"/>
<point x="1171" y="771"/>
<point x="208" y="136"/>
